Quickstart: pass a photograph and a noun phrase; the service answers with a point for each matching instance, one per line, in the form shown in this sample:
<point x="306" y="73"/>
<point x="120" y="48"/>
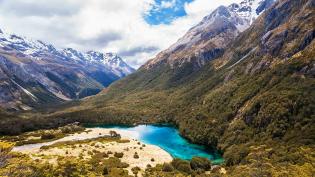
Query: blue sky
<point x="135" y="29"/>
<point x="166" y="11"/>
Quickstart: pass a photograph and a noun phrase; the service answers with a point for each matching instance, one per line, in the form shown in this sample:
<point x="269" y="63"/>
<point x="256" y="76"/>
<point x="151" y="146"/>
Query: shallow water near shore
<point x="169" y="139"/>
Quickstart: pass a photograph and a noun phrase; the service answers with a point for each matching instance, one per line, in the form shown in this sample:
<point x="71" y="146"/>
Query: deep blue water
<point x="168" y="138"/>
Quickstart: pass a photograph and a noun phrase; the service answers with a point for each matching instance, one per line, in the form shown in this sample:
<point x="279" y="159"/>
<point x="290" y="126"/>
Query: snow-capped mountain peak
<point x="73" y="54"/>
<point x="250" y="9"/>
<point x="240" y="15"/>
<point x="208" y="39"/>
<point x="35" y="72"/>
<point x="38" y="50"/>
<point x="109" y="60"/>
<point x="113" y="59"/>
<point x="24" y="46"/>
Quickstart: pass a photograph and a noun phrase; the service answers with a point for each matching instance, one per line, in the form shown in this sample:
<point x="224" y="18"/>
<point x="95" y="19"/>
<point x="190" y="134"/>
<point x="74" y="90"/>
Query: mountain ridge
<point x="36" y="73"/>
<point x="209" y="38"/>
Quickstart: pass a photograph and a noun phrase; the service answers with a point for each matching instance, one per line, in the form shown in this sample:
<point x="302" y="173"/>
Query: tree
<point x="200" y="163"/>
<point x="105" y="171"/>
<point x="113" y="134"/>
<point x="167" y="167"/>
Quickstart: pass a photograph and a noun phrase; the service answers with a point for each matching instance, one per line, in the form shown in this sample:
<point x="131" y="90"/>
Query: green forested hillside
<point x="255" y="103"/>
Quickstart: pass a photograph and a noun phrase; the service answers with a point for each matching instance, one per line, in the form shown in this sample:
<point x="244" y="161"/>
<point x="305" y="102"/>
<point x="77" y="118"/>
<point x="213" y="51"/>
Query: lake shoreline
<point x="129" y="147"/>
<point x="184" y="149"/>
<point x="198" y="150"/>
<point x="93" y="125"/>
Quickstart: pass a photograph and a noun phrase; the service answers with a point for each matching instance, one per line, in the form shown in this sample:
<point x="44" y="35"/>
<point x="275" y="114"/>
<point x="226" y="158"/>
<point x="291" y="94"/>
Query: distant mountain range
<point x="33" y="73"/>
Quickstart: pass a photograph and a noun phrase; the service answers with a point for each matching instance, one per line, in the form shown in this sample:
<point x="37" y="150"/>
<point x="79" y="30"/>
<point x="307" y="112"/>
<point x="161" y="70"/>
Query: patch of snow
<point x="241" y="15"/>
<point x="243" y="58"/>
<point x="34" y="98"/>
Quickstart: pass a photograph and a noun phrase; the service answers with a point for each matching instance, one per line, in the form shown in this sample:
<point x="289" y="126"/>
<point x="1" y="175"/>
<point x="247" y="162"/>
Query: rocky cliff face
<point x="208" y="39"/>
<point x="34" y="73"/>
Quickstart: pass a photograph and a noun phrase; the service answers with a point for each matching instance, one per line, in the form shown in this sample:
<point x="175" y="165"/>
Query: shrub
<point x="152" y="160"/>
<point x="119" y="154"/>
<point x="200" y="163"/>
<point x="167" y="167"/>
<point x="100" y="155"/>
<point x="135" y="170"/>
<point x="198" y="172"/>
<point x="44" y="147"/>
<point x="118" y="172"/>
<point x="47" y="136"/>
<point x="95" y="151"/>
<point x="182" y="165"/>
<point x="105" y="171"/>
<point x="235" y="154"/>
<point x="184" y="168"/>
<point x="114" y="162"/>
<point x="123" y="141"/>
<point x="105" y="155"/>
<point x="114" y="134"/>
<point x="136" y="156"/>
<point x="81" y="156"/>
<point x="176" y="162"/>
<point x="71" y="129"/>
<point x="5" y="148"/>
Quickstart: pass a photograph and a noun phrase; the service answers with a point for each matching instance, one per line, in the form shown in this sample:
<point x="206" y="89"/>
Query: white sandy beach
<point x="146" y="152"/>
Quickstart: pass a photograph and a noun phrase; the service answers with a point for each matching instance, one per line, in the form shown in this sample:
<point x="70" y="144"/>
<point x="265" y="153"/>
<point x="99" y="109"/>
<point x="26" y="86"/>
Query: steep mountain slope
<point x="208" y="39"/>
<point x="255" y="102"/>
<point x="34" y="73"/>
<point x="276" y="40"/>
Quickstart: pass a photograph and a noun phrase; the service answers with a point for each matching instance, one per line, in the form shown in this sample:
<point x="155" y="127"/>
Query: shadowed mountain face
<point x="34" y="73"/>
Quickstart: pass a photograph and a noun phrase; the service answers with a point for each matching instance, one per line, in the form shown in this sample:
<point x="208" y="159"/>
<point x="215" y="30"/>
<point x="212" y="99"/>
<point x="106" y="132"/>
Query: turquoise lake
<point x="169" y="139"/>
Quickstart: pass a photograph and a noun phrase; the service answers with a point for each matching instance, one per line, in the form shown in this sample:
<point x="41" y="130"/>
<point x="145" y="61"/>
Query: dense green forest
<point x="260" y="112"/>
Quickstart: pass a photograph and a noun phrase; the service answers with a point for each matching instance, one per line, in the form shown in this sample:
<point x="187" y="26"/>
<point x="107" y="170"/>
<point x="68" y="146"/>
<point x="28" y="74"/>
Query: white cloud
<point x="105" y="25"/>
<point x="206" y="6"/>
<point x="168" y="4"/>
